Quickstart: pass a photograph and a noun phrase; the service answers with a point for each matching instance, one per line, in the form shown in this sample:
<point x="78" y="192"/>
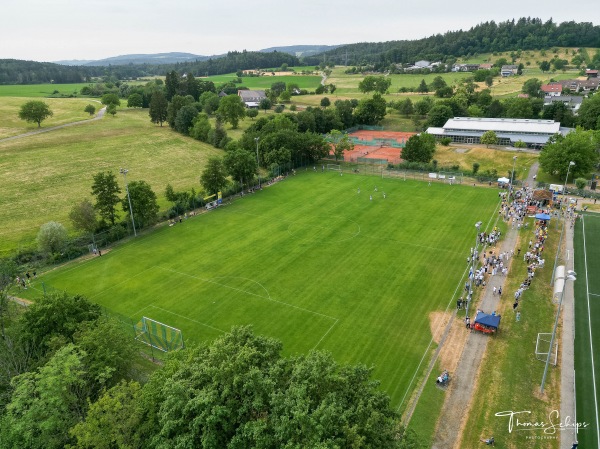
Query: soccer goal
<point x="542" y="348"/>
<point x="335" y="167"/>
<point x="158" y="335"/>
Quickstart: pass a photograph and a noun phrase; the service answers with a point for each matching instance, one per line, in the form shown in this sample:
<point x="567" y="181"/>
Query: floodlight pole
<point x="570" y="277"/>
<point x="256" y="139"/>
<point x="563" y="226"/>
<point x="472" y="279"/>
<point x="124" y="172"/>
<point x="512" y="176"/>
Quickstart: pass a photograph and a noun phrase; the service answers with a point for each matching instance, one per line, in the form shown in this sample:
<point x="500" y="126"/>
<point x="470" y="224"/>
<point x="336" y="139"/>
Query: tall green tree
<point x="439" y="115"/>
<point x="532" y="87"/>
<point x="135" y="100"/>
<point x="172" y="82"/>
<point x="143" y="203"/>
<point x="419" y="148"/>
<point x="158" y="108"/>
<point x="232" y="110"/>
<point x="241" y="165"/>
<point x="176" y="103"/>
<point x="108" y="99"/>
<point x="214" y="176"/>
<point x="90" y="109"/>
<point x="370" y="111"/>
<point x="579" y="146"/>
<point x="340" y="143"/>
<point x="185" y="119"/>
<point x="201" y="128"/>
<point x="589" y="113"/>
<point x="370" y="83"/>
<point x="51" y="237"/>
<point x="35" y="112"/>
<point x="423" y="88"/>
<point x="489" y="138"/>
<point x="106" y="191"/>
<point x="83" y="216"/>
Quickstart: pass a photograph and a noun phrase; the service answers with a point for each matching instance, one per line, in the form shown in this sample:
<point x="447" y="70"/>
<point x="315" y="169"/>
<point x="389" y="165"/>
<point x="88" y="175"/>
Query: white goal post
<point x="335" y="167"/>
<point x="158" y="335"/>
<point x="542" y="348"/>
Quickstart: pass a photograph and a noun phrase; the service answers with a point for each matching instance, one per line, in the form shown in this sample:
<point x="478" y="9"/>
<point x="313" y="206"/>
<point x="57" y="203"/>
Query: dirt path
<point x="464" y="379"/>
<point x="99" y="115"/>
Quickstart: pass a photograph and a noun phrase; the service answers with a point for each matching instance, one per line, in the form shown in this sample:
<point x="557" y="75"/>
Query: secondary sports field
<point x="310" y="261"/>
<point x="587" y="327"/>
<point x="380" y="145"/>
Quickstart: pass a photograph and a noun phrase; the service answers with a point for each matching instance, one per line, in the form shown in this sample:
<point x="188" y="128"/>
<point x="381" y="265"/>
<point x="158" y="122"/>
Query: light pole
<point x="512" y="176"/>
<point x="256" y="139"/>
<point x="563" y="227"/>
<point x="570" y="277"/>
<point x="124" y="172"/>
<point x="472" y="277"/>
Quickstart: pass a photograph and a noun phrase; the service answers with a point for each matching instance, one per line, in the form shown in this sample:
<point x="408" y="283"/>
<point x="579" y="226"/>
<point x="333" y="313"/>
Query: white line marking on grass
<point x="189" y="319"/>
<point x="248" y="293"/>
<point x="593" y="294"/>
<point x="122" y="282"/>
<point x="139" y="311"/>
<point x="587" y="289"/>
<point x="246" y="279"/>
<point x="325" y="334"/>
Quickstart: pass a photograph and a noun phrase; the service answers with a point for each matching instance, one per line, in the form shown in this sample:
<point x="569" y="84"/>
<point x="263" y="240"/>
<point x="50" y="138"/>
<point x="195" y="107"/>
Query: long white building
<point x="535" y="133"/>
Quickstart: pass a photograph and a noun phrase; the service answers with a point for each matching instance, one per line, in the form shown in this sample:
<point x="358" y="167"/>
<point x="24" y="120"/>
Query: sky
<point x="53" y="30"/>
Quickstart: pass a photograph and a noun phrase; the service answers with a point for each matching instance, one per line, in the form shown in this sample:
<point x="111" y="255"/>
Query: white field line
<point x="593" y="294"/>
<point x="188" y="318"/>
<point x="325" y="334"/>
<point x="587" y="289"/>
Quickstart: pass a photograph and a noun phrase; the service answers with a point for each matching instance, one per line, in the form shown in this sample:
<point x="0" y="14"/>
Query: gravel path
<point x="98" y="116"/>
<point x="458" y="399"/>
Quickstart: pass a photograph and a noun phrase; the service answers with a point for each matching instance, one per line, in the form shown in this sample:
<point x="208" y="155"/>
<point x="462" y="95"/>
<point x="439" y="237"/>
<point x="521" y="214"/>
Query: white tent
<point x="504" y="180"/>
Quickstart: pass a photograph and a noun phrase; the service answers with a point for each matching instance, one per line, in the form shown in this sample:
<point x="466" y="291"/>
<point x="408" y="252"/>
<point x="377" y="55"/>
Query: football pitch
<point x="587" y="327"/>
<point x="310" y="261"/>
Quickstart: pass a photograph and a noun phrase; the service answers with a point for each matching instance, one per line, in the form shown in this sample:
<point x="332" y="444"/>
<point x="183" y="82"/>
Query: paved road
<point x="458" y="400"/>
<point x="98" y="116"/>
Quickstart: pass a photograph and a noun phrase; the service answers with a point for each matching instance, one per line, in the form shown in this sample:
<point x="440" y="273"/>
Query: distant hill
<point x="301" y="51"/>
<point x="73" y="62"/>
<point x="152" y="59"/>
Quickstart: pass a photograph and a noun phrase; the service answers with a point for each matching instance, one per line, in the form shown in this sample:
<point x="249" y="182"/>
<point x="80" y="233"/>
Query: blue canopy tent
<point x="487" y="323"/>
<point x="545" y="217"/>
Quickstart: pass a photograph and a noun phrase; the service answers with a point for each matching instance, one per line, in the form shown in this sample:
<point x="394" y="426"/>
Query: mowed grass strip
<point x="587" y="325"/>
<point x="43" y="176"/>
<point x="309" y="261"/>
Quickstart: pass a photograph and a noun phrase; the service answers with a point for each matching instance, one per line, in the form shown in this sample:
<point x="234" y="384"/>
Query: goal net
<point x="158" y="335"/>
<point x="542" y="348"/>
<point x="335" y="167"/>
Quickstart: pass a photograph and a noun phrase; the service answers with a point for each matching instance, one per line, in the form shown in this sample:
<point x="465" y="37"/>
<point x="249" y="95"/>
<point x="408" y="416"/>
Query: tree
<point x="579" y="146"/>
<point x="158" y="108"/>
<point x="232" y="110"/>
<point x="423" y="89"/>
<point x="201" y="128"/>
<point x="532" y="87"/>
<point x="83" y="216"/>
<point x="379" y="84"/>
<point x="489" y="138"/>
<point x="325" y="102"/>
<point x="589" y="113"/>
<point x="176" y="103"/>
<point x="520" y="144"/>
<point x="519" y="108"/>
<point x="423" y="106"/>
<point x="172" y="84"/>
<point x="265" y="104"/>
<point x="135" y="101"/>
<point x="185" y="119"/>
<point x="143" y="203"/>
<point x="111" y="109"/>
<point x="370" y="111"/>
<point x="544" y="66"/>
<point x="252" y="113"/>
<point x="90" y="109"/>
<point x="35" y="112"/>
<point x="51" y="237"/>
<point x="108" y="99"/>
<point x="405" y="107"/>
<point x="112" y="421"/>
<point x="419" y="148"/>
<point x="213" y="177"/>
<point x="580" y="183"/>
<point x="340" y="143"/>
<point x="240" y="165"/>
<point x="253" y="397"/>
<point x="210" y="102"/>
<point x="106" y="190"/>
<point x="285" y="96"/>
<point x="559" y="112"/>
<point x="439" y="115"/>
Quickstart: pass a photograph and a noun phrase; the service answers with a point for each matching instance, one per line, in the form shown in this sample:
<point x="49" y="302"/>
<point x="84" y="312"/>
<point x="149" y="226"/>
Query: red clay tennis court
<point x="378" y="146"/>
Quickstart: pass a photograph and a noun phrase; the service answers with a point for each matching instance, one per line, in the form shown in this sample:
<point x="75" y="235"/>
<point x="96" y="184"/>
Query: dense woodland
<point x="523" y="34"/>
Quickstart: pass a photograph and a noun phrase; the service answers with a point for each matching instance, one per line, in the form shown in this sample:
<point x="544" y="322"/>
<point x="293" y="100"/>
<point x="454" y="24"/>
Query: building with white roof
<point x="535" y="133"/>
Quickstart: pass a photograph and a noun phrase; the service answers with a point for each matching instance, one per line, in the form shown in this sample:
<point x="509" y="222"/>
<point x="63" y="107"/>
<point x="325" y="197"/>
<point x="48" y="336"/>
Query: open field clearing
<point x="42" y="176"/>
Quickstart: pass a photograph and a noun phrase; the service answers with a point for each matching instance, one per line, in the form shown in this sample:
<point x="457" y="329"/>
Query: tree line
<point x="525" y="33"/>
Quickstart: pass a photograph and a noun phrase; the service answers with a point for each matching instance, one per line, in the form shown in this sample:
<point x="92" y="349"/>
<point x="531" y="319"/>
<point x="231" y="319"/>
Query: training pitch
<point x="587" y="327"/>
<point x="309" y="261"/>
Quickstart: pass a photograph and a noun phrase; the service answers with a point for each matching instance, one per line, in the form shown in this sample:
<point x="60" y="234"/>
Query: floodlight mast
<point x="512" y="176"/>
<point x="571" y="276"/>
<point x="563" y="226"/>
<point x="256" y="139"/>
<point x="124" y="172"/>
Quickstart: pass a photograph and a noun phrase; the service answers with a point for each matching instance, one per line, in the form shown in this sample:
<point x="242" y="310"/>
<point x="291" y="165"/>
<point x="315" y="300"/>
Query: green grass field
<point x="309" y="261"/>
<point x="587" y="327"/>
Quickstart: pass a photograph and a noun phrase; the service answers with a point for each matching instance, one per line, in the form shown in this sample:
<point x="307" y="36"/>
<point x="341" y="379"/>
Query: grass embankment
<point x="510" y="375"/>
<point x="43" y="176"/>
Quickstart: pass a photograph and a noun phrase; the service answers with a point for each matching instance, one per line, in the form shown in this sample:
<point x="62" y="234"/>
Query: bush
<point x="446" y="141"/>
<point x="581" y="183"/>
<point x="52" y="237"/>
